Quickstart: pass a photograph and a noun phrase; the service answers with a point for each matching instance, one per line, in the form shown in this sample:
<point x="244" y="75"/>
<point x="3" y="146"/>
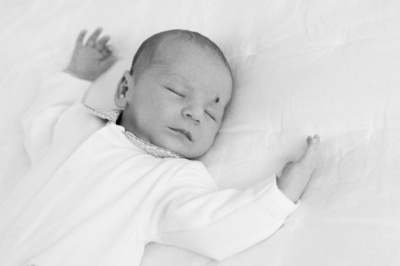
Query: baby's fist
<point x="92" y="59"/>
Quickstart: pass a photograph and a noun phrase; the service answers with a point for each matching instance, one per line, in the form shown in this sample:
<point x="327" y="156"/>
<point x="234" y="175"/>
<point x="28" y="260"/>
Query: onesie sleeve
<point x="57" y="93"/>
<point x="195" y="215"/>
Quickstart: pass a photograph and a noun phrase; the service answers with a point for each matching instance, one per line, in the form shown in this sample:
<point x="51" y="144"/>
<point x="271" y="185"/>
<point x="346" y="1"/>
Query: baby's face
<point x="178" y="101"/>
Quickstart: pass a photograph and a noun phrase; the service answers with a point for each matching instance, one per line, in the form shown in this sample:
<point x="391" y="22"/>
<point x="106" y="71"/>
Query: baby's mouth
<point x="183" y="132"/>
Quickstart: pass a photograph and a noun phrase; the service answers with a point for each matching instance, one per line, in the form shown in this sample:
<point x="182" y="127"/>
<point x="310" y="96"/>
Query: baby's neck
<point x="118" y="121"/>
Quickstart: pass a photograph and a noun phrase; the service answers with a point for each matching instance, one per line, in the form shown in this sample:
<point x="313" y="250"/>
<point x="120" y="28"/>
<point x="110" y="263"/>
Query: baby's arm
<point x="59" y="92"/>
<point x="295" y="176"/>
<point x="91" y="59"/>
<point x="195" y="215"/>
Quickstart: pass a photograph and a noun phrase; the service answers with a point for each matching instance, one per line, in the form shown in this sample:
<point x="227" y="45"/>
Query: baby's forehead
<point x="180" y="59"/>
<point x="175" y="51"/>
<point x="171" y="48"/>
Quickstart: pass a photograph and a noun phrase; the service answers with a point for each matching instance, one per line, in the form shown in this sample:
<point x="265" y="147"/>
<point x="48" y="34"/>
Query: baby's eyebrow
<point x="176" y="76"/>
<point x="181" y="79"/>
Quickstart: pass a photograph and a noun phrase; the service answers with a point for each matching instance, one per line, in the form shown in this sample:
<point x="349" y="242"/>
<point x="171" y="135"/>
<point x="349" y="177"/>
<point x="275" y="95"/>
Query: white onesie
<point x="94" y="198"/>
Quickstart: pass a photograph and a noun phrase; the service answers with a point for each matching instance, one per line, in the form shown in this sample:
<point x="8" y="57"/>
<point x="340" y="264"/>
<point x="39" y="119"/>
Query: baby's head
<point x="176" y="92"/>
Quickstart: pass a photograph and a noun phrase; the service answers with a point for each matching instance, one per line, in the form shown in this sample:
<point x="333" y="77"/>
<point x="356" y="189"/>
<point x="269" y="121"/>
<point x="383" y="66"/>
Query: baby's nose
<point x="193" y="113"/>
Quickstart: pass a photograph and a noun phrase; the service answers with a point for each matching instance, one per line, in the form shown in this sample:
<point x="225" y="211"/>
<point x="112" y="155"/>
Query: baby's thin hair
<point x="147" y="49"/>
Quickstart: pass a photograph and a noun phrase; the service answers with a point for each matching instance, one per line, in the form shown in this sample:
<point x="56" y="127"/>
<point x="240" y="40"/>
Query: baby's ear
<point x="120" y="99"/>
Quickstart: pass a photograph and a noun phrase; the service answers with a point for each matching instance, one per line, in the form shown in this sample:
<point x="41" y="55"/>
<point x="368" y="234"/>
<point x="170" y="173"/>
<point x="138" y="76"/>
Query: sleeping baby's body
<point x="94" y="197"/>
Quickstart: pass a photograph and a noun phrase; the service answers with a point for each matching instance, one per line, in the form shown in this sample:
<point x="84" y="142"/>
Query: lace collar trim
<point x="112" y="116"/>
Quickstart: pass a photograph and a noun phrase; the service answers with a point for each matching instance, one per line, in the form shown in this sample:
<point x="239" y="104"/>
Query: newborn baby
<point x="104" y="183"/>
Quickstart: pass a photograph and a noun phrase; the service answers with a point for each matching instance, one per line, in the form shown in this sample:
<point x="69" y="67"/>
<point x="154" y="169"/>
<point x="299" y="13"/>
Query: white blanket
<point x="300" y="67"/>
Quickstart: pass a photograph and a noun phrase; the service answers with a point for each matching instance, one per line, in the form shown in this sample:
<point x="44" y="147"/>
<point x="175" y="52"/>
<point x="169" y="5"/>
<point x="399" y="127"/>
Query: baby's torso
<point x="92" y="210"/>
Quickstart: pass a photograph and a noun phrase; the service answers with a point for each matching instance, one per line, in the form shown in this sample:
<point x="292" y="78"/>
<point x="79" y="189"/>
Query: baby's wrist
<point x="291" y="195"/>
<point x="77" y="75"/>
<point x="292" y="189"/>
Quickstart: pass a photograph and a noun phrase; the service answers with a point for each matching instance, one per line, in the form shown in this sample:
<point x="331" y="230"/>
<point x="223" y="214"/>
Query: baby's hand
<point x="295" y="176"/>
<point x="92" y="59"/>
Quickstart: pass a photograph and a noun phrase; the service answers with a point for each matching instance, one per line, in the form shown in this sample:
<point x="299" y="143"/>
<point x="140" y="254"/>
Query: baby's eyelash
<point x="212" y="117"/>
<point x="177" y="93"/>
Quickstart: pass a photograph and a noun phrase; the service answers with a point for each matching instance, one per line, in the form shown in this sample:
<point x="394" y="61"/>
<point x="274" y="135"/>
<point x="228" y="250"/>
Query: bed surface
<point x="300" y="68"/>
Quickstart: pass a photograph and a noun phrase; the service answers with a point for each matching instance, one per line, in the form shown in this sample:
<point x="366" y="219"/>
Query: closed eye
<point x="173" y="91"/>
<point x="210" y="115"/>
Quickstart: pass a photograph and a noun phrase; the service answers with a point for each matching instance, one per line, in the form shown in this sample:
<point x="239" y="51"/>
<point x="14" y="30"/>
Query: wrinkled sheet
<point x="300" y="68"/>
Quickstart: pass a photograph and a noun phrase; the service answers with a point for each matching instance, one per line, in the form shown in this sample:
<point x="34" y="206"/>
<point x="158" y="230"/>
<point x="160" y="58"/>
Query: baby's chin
<point x="178" y="143"/>
<point x="192" y="155"/>
<point x="187" y="151"/>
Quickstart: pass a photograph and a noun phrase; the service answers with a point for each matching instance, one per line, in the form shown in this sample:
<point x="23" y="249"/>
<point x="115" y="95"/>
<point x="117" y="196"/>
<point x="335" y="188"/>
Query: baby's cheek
<point x="171" y="112"/>
<point x="208" y="138"/>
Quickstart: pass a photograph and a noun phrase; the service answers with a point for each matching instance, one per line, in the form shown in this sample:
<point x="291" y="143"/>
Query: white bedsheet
<point x="301" y="67"/>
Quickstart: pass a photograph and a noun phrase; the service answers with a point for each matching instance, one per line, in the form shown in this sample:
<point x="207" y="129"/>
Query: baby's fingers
<point x="81" y="36"/>
<point x="103" y="41"/>
<point x="101" y="45"/>
<point x="316" y="138"/>
<point x="93" y="38"/>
